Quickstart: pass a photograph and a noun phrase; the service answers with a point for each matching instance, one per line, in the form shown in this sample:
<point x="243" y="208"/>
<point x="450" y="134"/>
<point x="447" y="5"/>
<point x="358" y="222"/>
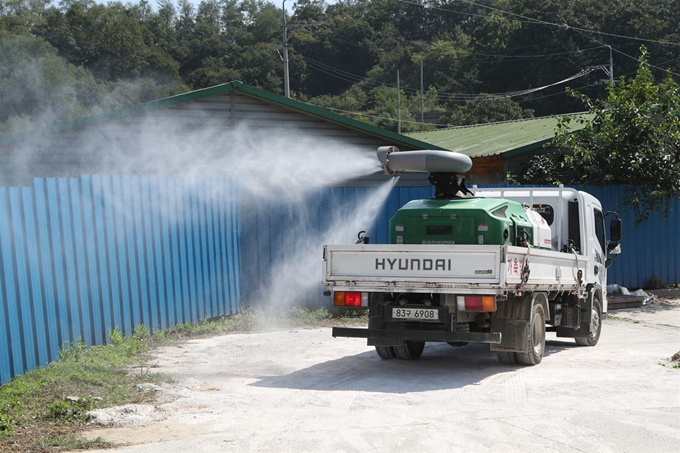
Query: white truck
<point x="497" y="266"/>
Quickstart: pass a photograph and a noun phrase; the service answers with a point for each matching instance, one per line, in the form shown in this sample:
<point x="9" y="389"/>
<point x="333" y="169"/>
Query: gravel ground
<point x="302" y="390"/>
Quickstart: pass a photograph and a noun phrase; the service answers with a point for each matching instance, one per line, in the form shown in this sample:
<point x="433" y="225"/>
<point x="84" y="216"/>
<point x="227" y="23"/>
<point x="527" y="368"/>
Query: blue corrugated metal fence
<point x="650" y="250"/>
<point x="82" y="256"/>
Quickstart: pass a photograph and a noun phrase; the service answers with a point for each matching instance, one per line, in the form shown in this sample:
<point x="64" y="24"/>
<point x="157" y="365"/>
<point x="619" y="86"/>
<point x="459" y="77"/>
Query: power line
<point x="623" y="53"/>
<point x="542" y="22"/>
<point x="522" y="57"/>
<point x="442" y="96"/>
<point x="527" y="19"/>
<point x="560" y="93"/>
<point x="442" y="9"/>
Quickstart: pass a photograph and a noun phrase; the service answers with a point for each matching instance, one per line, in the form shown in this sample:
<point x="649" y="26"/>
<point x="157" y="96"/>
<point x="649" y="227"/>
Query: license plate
<point x="416" y="314"/>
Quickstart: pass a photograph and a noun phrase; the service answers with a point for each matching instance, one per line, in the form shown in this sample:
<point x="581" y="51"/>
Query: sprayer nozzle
<point x="384" y="158"/>
<point x="395" y="162"/>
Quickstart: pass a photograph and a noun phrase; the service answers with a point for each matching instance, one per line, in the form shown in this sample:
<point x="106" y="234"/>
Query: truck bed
<point x="441" y="268"/>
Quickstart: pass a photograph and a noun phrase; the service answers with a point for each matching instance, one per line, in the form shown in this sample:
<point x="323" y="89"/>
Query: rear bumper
<point x="394" y="336"/>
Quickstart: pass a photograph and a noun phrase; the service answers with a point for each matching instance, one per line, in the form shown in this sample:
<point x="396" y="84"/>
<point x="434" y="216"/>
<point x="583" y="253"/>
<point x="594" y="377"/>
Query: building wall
<point x="486" y="170"/>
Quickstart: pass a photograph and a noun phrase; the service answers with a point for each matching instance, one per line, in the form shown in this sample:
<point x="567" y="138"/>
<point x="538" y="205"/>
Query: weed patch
<point x="44" y="410"/>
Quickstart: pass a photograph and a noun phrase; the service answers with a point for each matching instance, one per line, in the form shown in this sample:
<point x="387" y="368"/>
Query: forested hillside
<point x="481" y="61"/>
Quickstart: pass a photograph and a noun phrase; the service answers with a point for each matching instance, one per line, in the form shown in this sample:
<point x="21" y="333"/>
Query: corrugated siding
<point x="82" y="256"/>
<point x="650" y="251"/>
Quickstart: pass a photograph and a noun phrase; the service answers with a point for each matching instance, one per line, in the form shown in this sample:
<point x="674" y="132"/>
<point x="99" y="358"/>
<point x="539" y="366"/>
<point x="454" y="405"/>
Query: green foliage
<point x="116" y="336"/>
<point x="70" y="412"/>
<point x="72" y="443"/>
<point x="76" y="58"/>
<point x="72" y="350"/>
<point x="633" y="139"/>
<point x="304" y="316"/>
<point x="7" y="420"/>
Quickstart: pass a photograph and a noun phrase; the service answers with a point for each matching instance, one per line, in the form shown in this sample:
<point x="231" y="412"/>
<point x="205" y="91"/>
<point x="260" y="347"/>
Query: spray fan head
<point x="395" y="162"/>
<point x="443" y="167"/>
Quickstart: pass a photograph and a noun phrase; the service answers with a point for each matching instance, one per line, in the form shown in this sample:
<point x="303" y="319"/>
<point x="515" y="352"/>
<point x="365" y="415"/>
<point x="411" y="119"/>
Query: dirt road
<point x="302" y="390"/>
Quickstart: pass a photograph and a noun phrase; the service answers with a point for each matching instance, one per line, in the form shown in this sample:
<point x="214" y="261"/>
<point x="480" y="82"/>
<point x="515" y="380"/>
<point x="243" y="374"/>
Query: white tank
<point x="542" y="235"/>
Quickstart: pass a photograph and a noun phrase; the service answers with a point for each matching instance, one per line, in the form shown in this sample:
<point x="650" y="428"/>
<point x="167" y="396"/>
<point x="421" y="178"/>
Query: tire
<point x="386" y="352"/>
<point x="409" y="350"/>
<point x="508" y="358"/>
<point x="595" y="326"/>
<point x="535" y="338"/>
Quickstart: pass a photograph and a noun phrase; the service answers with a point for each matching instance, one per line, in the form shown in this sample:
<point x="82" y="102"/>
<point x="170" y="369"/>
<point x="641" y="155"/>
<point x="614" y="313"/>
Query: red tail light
<point x="347" y="299"/>
<point x="353" y="299"/>
<point x="476" y="303"/>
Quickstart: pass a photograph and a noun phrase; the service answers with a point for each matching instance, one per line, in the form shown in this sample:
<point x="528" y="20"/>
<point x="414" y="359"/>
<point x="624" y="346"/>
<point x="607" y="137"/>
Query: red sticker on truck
<point x="513" y="266"/>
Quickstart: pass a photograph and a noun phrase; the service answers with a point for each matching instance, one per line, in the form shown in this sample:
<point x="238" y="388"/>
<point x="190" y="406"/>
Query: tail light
<point x="476" y="303"/>
<point x="350" y="299"/>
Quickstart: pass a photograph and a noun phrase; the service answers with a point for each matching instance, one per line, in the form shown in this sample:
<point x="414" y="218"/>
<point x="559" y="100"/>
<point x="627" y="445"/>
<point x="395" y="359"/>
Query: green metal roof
<point x="508" y="138"/>
<point x="391" y="138"/>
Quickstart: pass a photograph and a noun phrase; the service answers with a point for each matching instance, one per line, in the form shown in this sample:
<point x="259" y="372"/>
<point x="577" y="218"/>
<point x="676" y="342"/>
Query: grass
<point x="251" y="320"/>
<point x="45" y="410"/>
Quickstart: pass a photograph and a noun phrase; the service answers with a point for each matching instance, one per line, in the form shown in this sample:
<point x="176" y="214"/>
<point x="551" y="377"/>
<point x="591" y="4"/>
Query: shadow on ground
<point x="441" y="367"/>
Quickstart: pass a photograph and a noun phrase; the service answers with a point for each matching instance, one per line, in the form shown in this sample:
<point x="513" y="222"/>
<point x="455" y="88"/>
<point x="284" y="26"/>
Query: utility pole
<point x="611" y="67"/>
<point x="422" y="94"/>
<point x="286" y="71"/>
<point x="286" y="80"/>
<point x="398" y="105"/>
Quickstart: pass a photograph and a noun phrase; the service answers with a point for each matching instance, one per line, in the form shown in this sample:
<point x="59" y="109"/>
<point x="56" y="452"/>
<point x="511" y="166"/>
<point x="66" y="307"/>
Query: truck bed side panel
<point x="415" y="263"/>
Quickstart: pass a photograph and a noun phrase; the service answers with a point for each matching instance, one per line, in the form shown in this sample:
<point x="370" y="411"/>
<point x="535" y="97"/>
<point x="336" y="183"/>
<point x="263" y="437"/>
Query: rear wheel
<point x="535" y="338"/>
<point x="595" y="326"/>
<point x="386" y="352"/>
<point x="409" y="350"/>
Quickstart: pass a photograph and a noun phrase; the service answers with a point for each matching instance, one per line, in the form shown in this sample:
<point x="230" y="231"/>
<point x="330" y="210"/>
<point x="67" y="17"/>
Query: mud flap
<point x="514" y="334"/>
<point x="513" y="321"/>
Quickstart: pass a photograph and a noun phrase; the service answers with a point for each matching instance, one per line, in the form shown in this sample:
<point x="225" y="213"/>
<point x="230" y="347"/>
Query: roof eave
<point x="390" y="137"/>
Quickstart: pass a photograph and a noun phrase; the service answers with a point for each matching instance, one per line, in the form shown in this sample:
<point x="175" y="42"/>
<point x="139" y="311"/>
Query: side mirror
<point x="614" y="249"/>
<point x="615" y="230"/>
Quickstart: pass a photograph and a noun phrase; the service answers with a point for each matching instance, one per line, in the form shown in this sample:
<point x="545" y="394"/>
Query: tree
<point x="633" y="139"/>
<point x="35" y="82"/>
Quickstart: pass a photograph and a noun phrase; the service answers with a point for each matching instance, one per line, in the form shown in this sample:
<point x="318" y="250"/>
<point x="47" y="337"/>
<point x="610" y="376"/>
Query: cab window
<point x="599" y="228"/>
